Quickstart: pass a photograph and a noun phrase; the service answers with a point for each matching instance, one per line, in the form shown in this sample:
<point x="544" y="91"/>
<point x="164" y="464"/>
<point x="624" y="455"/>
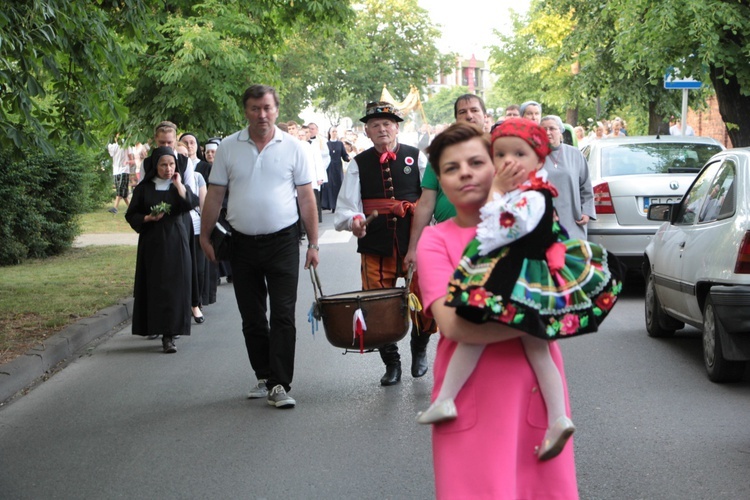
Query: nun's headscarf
<point x="154" y="159"/>
<point x="198" y="150"/>
<point x="525" y="105"/>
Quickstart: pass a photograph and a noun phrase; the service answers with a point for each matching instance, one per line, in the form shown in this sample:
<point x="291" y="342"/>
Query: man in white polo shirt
<point x="263" y="168"/>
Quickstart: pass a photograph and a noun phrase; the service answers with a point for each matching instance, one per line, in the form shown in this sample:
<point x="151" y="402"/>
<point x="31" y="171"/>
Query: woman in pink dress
<point x="489" y="451"/>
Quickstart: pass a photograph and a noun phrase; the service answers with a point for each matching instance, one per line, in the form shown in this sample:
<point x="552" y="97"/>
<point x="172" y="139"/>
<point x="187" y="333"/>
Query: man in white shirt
<point x="319" y="143"/>
<point x="320" y="176"/>
<point x="122" y="160"/>
<point x="264" y="168"/>
<point x="676" y="128"/>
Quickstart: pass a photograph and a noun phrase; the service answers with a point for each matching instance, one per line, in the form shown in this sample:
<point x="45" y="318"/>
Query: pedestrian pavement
<point x="54" y="353"/>
<point x="98" y="239"/>
<point x="23" y="372"/>
<point x="42" y="360"/>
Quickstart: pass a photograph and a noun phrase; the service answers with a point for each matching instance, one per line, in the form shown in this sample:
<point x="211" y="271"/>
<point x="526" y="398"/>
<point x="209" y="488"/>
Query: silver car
<point x="697" y="267"/>
<point x="630" y="174"/>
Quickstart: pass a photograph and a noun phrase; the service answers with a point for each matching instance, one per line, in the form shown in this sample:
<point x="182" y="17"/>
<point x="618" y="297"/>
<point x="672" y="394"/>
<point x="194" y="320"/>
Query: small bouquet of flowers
<point x="161" y="208"/>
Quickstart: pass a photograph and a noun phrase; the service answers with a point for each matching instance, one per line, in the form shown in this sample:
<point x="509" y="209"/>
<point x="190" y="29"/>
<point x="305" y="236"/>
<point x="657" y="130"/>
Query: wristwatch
<point x="313" y="247"/>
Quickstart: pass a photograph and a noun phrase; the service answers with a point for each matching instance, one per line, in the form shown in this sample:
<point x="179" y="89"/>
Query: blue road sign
<point x="673" y="82"/>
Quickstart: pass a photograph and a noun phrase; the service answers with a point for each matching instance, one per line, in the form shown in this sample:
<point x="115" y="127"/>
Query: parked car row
<point x="677" y="207"/>
<point x="631" y="174"/>
<point x="697" y="266"/>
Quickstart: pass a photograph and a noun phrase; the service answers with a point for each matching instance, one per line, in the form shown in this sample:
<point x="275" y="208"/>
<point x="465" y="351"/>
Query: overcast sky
<point x="467" y="25"/>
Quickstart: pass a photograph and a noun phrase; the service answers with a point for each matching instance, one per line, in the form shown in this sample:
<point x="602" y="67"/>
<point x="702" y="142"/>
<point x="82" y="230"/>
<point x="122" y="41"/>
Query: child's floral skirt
<point x="567" y="292"/>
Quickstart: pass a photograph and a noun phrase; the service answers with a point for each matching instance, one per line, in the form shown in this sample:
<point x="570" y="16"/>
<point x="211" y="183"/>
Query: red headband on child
<point x="524" y="129"/>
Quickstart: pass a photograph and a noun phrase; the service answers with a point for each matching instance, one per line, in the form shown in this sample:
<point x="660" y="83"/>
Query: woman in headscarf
<point x="163" y="269"/>
<point x="335" y="170"/>
<point x="531" y="110"/>
<point x="568" y="171"/>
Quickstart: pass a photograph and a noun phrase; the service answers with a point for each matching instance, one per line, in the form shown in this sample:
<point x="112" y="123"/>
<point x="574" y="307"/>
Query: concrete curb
<point x="41" y="360"/>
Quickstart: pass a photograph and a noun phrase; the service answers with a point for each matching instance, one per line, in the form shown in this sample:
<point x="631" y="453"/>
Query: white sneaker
<point x="279" y="398"/>
<point x="438" y="412"/>
<point x="259" y="391"/>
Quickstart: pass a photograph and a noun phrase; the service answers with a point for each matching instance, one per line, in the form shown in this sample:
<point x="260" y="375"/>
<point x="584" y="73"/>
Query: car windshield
<point x="661" y="158"/>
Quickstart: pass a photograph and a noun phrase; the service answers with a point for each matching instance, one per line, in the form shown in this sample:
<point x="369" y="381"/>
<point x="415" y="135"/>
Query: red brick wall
<point x="708" y="123"/>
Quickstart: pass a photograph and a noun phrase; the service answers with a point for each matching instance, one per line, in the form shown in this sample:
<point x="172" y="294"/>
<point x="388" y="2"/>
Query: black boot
<point x="418" y="363"/>
<point x="419" y="354"/>
<point x="392" y="374"/>
<point x="392" y="360"/>
<point x="167" y="344"/>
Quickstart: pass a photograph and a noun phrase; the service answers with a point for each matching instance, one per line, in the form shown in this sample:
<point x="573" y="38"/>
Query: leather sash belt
<point x="385" y="206"/>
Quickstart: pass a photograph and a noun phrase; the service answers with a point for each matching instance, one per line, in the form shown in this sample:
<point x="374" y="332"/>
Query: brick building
<point x="708" y="122"/>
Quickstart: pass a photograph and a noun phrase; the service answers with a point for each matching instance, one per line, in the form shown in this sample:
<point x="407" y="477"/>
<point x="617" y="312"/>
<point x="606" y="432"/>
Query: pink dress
<point x="488" y="452"/>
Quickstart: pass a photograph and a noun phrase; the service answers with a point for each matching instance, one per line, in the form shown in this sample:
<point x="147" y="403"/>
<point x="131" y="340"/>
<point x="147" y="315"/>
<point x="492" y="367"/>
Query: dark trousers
<point x="213" y="281"/>
<point x="267" y="269"/>
<point x="317" y="203"/>
<point x="301" y="225"/>
<point x="202" y="273"/>
<point x="195" y="293"/>
<point x="225" y="269"/>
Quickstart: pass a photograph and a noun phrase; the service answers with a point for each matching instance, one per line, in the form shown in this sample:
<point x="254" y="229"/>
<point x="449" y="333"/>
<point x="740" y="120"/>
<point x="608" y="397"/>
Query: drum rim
<point x="383" y="293"/>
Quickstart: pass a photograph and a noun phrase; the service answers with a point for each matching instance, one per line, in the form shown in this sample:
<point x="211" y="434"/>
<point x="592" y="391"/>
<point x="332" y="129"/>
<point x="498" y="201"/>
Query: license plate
<point x="654" y="200"/>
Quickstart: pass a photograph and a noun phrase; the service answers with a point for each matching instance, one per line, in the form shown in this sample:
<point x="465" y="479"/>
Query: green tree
<point x="60" y="67"/>
<point x="706" y="39"/>
<point x="628" y="46"/>
<point x="439" y="108"/>
<point x="564" y="54"/>
<point x="602" y="75"/>
<point x="205" y="55"/>
<point x="531" y="63"/>
<point x="391" y="42"/>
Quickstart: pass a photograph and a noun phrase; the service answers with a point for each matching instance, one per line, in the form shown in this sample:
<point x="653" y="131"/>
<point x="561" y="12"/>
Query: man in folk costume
<point x="386" y="178"/>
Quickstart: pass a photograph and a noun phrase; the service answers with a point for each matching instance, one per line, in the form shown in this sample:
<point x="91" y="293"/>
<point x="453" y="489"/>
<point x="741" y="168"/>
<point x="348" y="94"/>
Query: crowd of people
<point x="126" y="167"/>
<point x="487" y="218"/>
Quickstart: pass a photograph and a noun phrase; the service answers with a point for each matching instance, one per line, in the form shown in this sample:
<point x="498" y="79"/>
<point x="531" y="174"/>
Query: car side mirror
<point x="659" y="212"/>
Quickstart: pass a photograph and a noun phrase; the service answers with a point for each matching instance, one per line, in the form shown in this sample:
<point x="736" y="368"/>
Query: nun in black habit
<point x="163" y="269"/>
<point x="335" y="171"/>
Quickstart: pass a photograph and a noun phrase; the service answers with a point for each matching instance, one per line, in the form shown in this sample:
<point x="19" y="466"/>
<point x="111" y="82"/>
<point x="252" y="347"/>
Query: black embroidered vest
<point x="397" y="179"/>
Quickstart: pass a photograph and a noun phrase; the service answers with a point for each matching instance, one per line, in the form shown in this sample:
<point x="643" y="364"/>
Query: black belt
<point x="260" y="237"/>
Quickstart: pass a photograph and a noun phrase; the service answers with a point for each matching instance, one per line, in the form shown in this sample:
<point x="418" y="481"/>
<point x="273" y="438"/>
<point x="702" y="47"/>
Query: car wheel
<point x="718" y="368"/>
<point x="657" y="321"/>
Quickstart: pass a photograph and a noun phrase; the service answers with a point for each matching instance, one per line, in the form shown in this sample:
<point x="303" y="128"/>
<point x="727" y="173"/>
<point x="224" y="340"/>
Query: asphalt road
<point x="650" y="424"/>
<point x="126" y="421"/>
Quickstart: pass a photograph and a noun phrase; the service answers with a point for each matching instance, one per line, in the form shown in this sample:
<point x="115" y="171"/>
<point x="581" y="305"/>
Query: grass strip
<point x="40" y="297"/>
<point x="102" y="221"/>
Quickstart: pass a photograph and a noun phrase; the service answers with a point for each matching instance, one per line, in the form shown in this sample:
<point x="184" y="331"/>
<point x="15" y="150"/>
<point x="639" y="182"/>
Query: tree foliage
<point x="605" y="76"/>
<point x="532" y="62"/>
<point x="77" y="72"/>
<point x="622" y="50"/>
<point x="439" y="108"/>
<point x="60" y="64"/>
<point x="706" y="39"/>
<point x="205" y="55"/>
<point x="390" y="42"/>
<point x="40" y="198"/>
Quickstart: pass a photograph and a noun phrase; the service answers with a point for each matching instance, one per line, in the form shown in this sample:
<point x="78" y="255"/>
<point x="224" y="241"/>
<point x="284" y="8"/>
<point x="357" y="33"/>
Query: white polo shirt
<point x="262" y="185"/>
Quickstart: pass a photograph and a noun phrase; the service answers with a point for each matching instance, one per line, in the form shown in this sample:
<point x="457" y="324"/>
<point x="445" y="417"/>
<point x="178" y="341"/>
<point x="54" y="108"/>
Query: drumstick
<point x="370" y="218"/>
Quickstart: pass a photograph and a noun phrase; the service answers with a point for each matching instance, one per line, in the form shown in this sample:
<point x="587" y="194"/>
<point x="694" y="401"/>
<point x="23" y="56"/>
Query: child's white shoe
<point x="438" y="412"/>
<point x="556" y="437"/>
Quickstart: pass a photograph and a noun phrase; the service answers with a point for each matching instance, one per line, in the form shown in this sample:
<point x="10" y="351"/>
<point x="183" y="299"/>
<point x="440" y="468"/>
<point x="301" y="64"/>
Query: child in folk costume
<point x="522" y="271"/>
